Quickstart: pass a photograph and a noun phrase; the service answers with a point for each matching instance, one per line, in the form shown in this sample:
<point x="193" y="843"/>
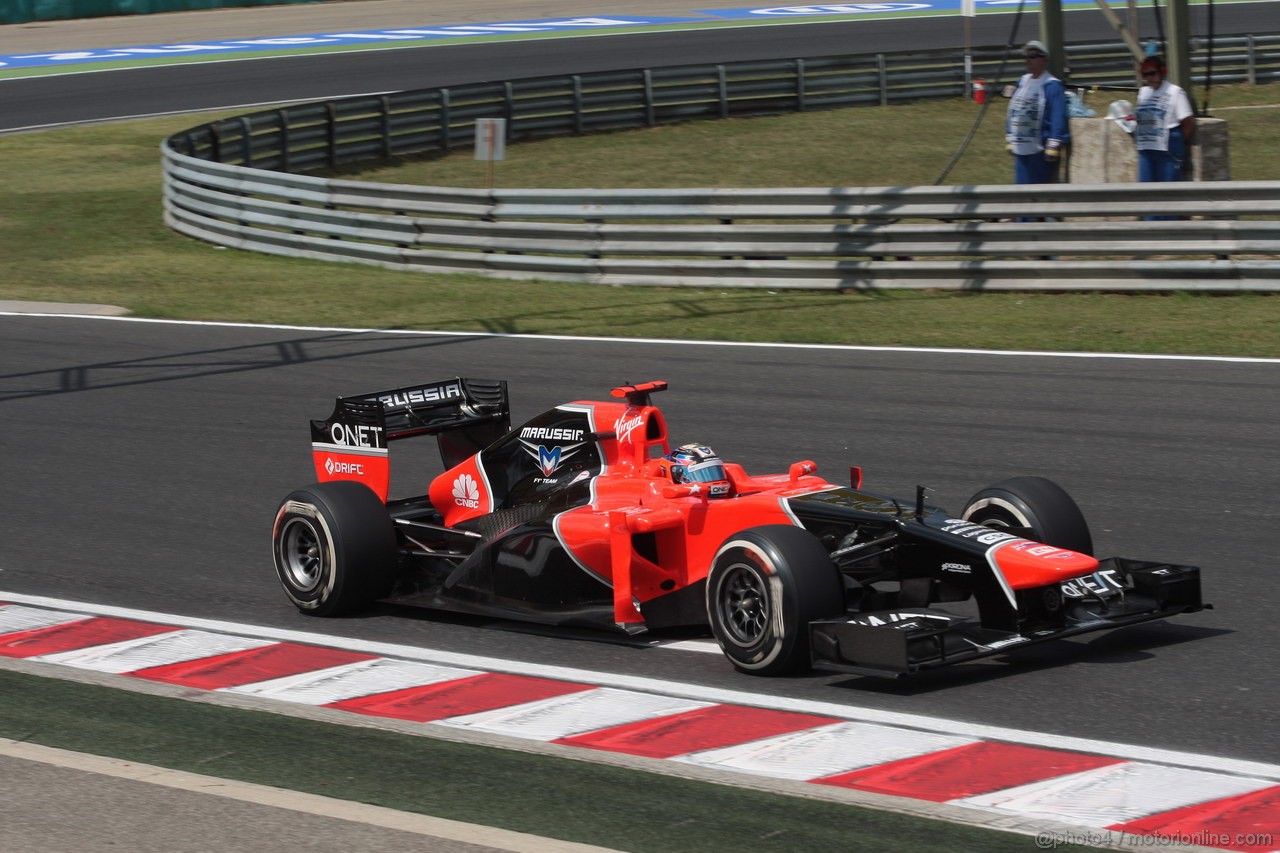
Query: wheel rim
<point x="1001" y="514"/>
<point x="301" y="554"/>
<point x="998" y="518"/>
<point x="999" y="521"/>
<point x="744" y="605"/>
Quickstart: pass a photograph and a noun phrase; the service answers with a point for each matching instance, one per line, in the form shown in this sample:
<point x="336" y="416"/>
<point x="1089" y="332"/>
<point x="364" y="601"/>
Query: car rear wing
<point x="466" y="415"/>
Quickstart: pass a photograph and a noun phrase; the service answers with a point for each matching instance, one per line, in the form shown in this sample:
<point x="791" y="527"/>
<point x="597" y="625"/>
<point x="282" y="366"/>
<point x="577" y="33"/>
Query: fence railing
<point x="235" y="182"/>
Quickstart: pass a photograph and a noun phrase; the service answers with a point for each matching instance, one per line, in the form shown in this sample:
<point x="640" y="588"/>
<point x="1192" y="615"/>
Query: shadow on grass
<point x="630" y="320"/>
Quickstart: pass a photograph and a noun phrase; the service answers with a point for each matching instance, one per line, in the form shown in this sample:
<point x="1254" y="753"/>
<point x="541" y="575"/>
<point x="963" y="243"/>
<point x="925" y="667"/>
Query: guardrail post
<point x="577" y="104"/>
<point x="509" y="107"/>
<point x="246" y="141"/>
<point x="1251" y="75"/>
<point x="594" y="255"/>
<point x="883" y="69"/>
<point x="282" y="138"/>
<point x="385" y="101"/>
<point x="800" y="87"/>
<point x="724" y="91"/>
<point x="445" y="121"/>
<point x="649" y="113"/>
<point x="331" y="133"/>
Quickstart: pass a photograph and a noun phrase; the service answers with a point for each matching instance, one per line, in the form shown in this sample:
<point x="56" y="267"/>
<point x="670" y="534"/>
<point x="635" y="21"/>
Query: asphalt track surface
<point x="144" y="462"/>
<point x="45" y="101"/>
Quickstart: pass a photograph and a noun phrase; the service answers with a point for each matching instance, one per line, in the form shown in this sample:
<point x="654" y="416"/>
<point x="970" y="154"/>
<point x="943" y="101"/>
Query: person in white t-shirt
<point x="1165" y="126"/>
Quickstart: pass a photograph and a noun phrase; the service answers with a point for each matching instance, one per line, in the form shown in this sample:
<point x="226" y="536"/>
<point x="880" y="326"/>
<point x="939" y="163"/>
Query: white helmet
<point x="698" y="464"/>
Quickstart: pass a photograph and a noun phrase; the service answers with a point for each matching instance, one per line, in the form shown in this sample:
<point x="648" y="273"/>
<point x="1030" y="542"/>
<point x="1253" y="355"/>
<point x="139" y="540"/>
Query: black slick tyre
<point x="335" y="548"/>
<point x="765" y="586"/>
<point x="1033" y="507"/>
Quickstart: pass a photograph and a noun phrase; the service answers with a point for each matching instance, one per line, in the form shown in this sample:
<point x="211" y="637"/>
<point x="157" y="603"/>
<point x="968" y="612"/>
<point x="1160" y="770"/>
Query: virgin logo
<point x="625" y="425"/>
<point x="466" y="492"/>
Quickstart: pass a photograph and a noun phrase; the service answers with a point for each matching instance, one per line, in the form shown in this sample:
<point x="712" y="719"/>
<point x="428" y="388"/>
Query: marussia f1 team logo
<point x="466" y="492"/>
<point x="549" y="459"/>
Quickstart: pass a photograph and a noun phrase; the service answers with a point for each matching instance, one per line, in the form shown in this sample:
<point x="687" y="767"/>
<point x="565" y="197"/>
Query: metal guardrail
<point x="235" y="183"/>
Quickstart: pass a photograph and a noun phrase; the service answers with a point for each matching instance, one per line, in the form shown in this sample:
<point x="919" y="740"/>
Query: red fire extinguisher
<point x="979" y="92"/>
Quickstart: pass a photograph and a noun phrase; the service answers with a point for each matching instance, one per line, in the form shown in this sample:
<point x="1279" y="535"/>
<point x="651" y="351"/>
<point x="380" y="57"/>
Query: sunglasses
<point x="1037" y="56"/>
<point x="1150" y="73"/>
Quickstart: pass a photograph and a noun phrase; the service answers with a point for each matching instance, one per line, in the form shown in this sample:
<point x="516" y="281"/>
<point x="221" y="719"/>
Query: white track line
<point x="663" y="341"/>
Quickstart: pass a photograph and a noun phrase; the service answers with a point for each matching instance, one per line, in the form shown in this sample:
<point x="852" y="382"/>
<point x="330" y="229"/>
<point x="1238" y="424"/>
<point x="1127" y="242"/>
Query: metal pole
<point x="1178" y="27"/>
<point x="968" y="56"/>
<point x="1051" y="35"/>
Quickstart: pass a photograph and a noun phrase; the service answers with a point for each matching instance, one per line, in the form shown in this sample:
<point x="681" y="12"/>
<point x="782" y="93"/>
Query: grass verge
<point x="83" y="223"/>
<point x="590" y="803"/>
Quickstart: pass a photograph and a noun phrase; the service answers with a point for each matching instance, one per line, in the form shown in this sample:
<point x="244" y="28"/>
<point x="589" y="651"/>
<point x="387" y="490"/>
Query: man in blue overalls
<point x="1036" y="131"/>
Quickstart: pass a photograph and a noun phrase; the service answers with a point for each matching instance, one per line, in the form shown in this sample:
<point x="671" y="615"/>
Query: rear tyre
<point x="334" y="547"/>
<point x="1033" y="507"/>
<point x="765" y="586"/>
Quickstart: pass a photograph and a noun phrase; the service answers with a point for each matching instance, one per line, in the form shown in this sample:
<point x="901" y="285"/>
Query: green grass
<point x="82" y="222"/>
<point x="867" y="146"/>
<point x="591" y="803"/>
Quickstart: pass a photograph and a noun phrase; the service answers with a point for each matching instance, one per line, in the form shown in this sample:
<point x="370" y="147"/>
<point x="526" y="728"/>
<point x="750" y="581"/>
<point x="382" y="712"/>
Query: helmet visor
<point x="711" y="471"/>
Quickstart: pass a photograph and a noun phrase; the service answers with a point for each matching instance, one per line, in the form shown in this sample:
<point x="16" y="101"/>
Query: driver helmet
<point x="698" y="463"/>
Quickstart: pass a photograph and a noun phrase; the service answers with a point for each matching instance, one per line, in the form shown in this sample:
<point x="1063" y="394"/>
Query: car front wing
<point x="896" y="643"/>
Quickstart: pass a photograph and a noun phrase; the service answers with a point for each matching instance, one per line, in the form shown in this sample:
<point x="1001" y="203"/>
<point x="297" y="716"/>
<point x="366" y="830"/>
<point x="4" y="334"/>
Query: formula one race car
<point x="586" y="516"/>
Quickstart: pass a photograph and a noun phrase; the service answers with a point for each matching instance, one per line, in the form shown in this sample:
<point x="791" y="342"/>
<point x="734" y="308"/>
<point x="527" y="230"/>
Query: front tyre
<point x="335" y="548"/>
<point x="1034" y="507"/>
<point x="765" y="586"/>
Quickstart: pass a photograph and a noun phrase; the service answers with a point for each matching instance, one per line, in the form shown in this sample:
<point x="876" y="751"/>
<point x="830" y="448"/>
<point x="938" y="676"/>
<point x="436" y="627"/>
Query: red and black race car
<point x="586" y="516"/>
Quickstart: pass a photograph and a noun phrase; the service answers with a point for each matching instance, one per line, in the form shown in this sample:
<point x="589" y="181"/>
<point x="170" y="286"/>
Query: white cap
<point x="1035" y="45"/>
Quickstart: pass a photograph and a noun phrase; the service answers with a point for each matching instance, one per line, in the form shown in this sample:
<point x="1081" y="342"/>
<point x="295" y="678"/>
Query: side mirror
<point x="800" y="469"/>
<point x="684" y="490"/>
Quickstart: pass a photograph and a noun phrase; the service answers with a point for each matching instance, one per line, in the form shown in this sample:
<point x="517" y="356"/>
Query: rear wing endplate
<point x="466" y="415"/>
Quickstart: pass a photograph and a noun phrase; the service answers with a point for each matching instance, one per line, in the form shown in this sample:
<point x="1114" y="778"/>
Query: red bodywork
<point x="633" y="495"/>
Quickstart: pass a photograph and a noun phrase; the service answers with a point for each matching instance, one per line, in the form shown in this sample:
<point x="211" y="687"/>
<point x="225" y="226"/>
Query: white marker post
<point x="491" y="142"/>
<point x="967" y="11"/>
